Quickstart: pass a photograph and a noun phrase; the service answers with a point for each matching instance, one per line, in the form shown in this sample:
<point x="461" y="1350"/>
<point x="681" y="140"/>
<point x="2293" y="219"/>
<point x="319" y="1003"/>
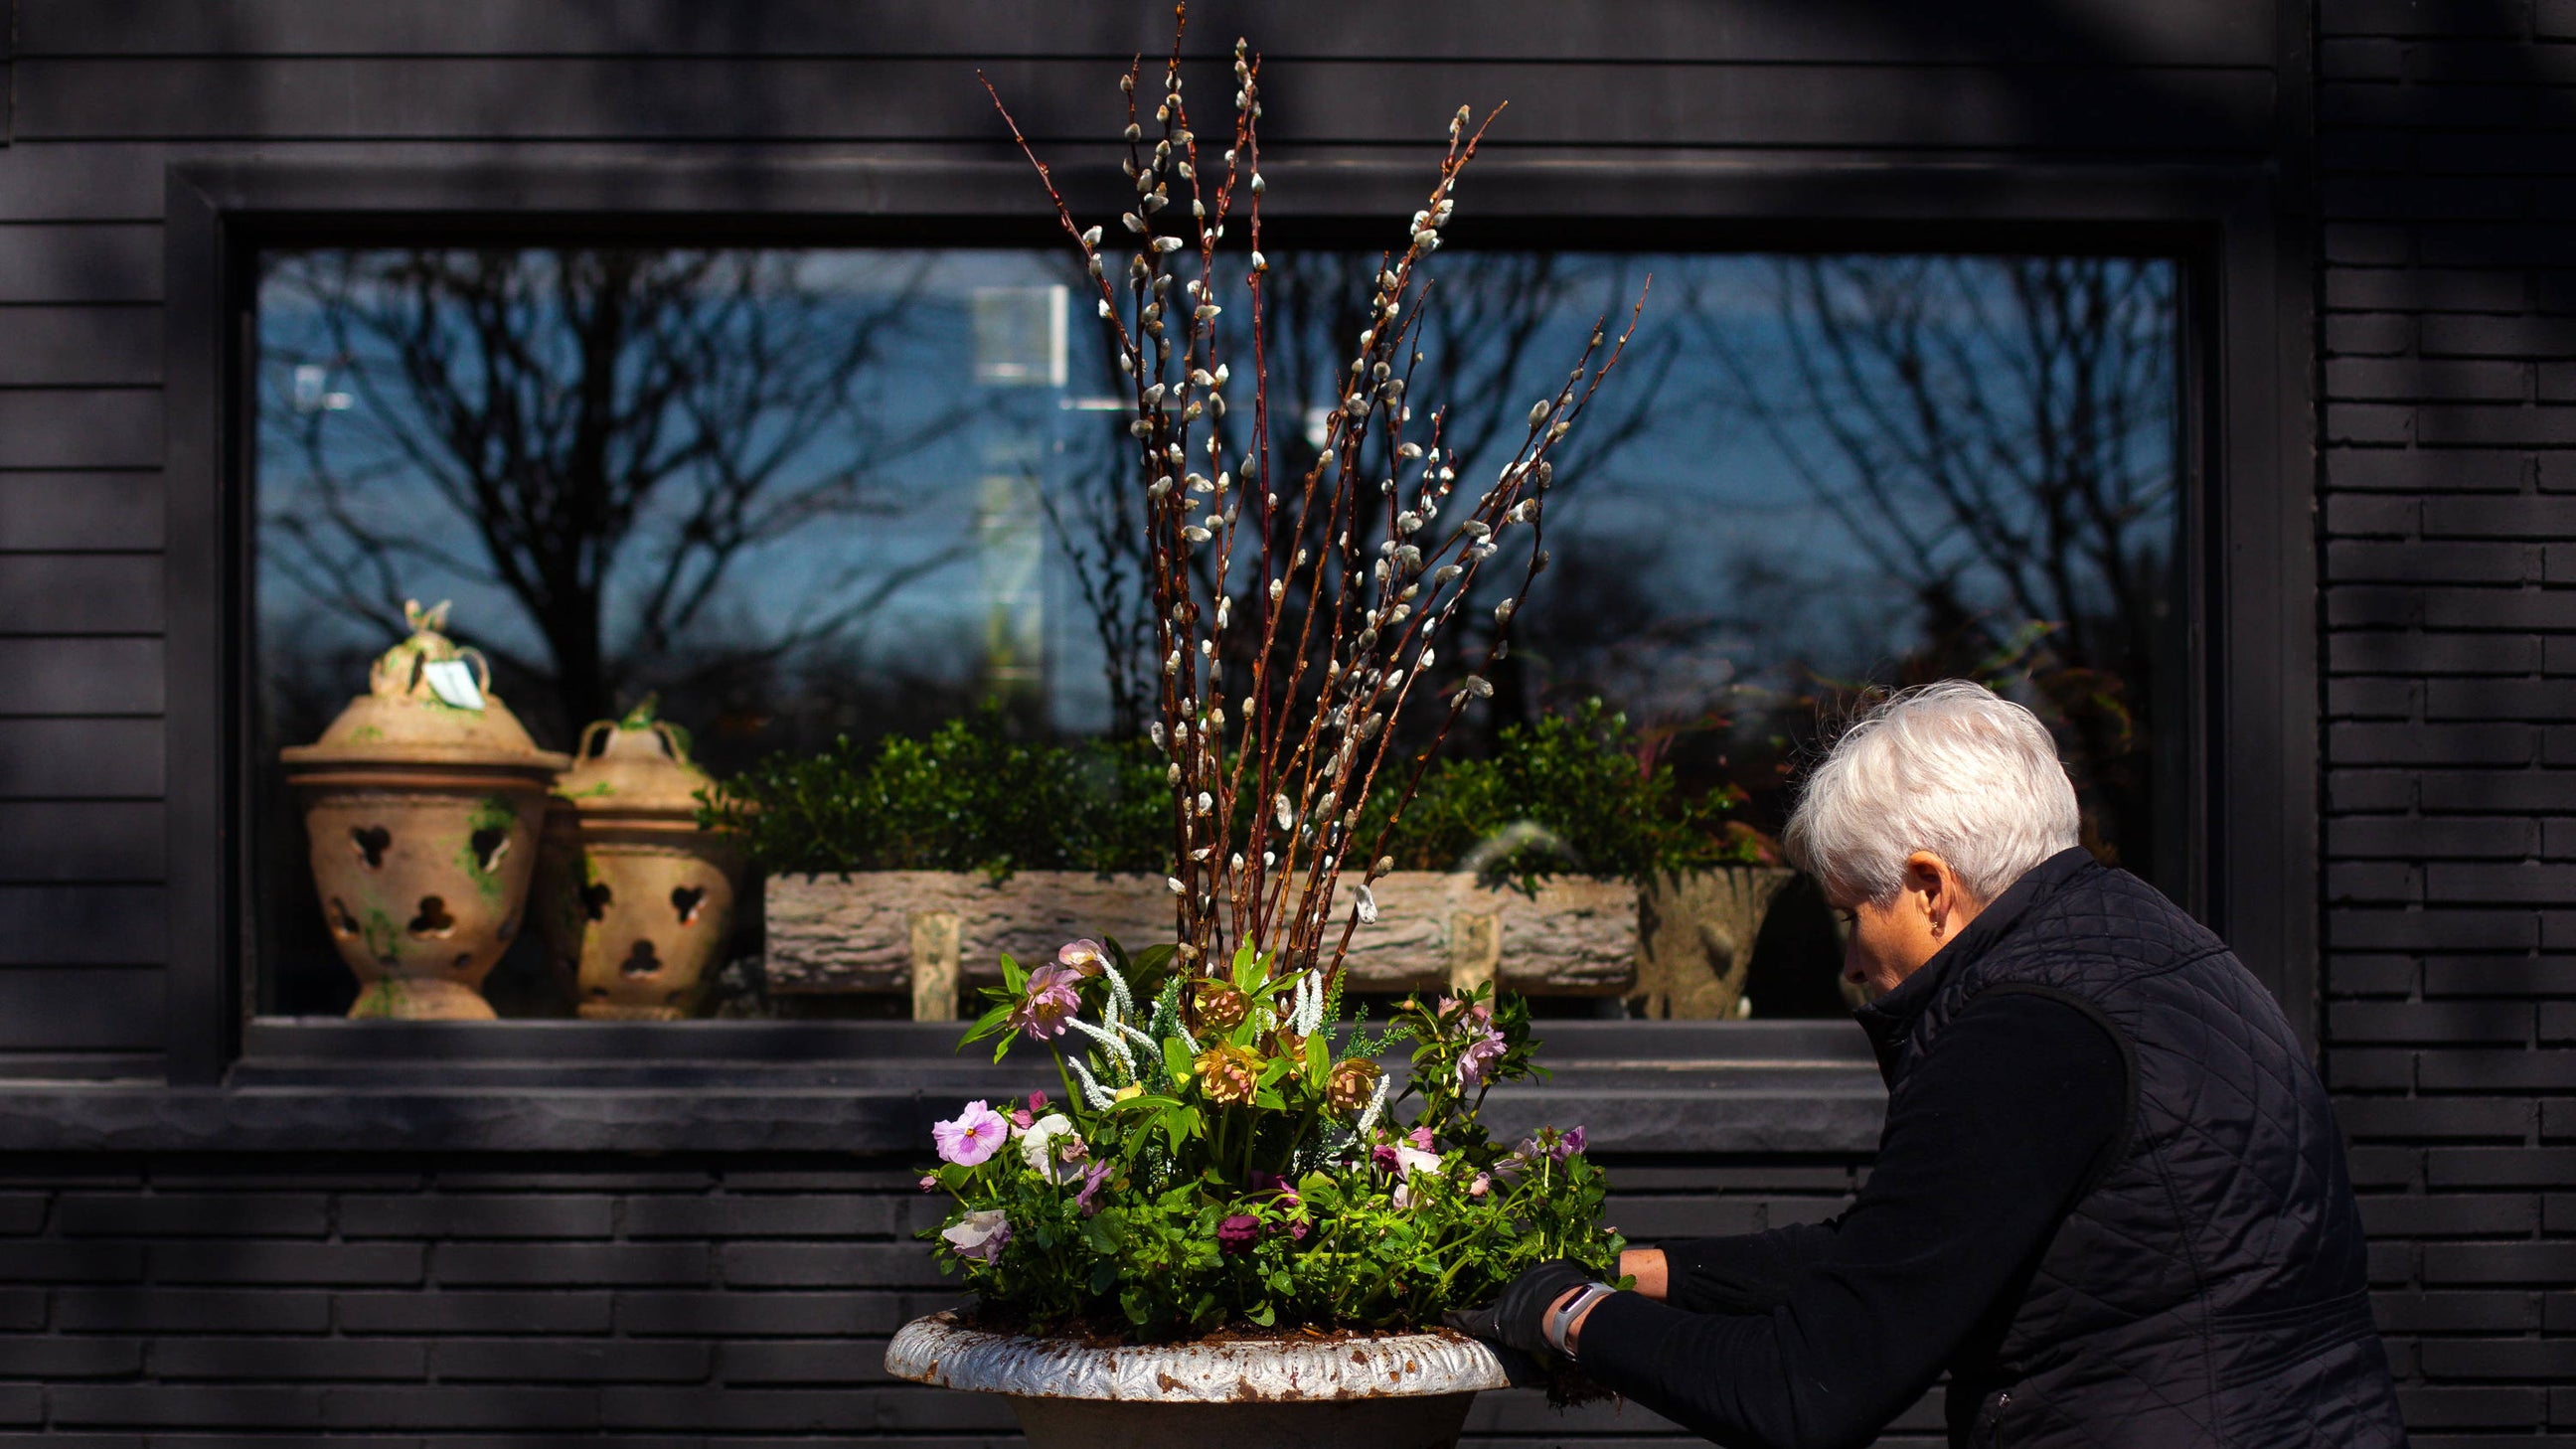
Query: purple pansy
<point x="972" y="1136"/>
<point x="1091" y="1182"/>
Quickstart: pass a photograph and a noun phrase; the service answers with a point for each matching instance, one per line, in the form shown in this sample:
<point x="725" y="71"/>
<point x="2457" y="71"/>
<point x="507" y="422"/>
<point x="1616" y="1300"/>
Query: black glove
<point x="1518" y="1318"/>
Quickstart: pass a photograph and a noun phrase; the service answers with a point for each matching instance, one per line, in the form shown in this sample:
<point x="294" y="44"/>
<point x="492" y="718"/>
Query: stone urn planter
<point x="1366" y="1391"/>
<point x="422" y="804"/>
<point x="1695" y="940"/>
<point x="634" y="899"/>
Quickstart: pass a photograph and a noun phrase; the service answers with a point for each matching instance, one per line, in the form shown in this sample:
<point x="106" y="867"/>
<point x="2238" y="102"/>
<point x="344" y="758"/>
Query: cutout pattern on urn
<point x="433" y="919"/>
<point x="371" y="842"/>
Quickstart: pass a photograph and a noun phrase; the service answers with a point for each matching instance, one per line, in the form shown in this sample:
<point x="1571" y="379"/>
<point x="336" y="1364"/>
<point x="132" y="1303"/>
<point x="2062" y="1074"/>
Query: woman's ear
<point x="1923" y="881"/>
<point x="1935" y="888"/>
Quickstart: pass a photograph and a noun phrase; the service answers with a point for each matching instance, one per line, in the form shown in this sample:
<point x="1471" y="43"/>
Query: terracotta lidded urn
<point x="634" y="898"/>
<point x="422" y="803"/>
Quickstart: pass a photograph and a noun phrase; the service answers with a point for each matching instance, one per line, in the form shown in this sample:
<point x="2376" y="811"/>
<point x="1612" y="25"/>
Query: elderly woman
<point x="2109" y="1201"/>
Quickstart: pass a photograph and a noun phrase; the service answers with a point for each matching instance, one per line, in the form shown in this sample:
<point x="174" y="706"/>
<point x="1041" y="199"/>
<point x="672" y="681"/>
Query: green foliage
<point x="968" y="796"/>
<point x="1567" y="794"/>
<point x="1230" y="1169"/>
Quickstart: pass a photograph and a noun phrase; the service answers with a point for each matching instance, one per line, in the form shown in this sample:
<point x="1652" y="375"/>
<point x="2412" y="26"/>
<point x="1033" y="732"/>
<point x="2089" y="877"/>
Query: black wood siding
<point x="452" y="1301"/>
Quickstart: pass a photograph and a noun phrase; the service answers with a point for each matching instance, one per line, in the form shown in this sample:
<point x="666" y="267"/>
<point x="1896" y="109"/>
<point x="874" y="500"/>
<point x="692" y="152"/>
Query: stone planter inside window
<point x="1678" y="948"/>
<point x="1363" y="1391"/>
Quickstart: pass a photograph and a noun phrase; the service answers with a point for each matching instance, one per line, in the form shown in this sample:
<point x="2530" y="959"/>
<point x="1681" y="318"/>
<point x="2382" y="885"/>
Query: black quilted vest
<point x="2207" y="1286"/>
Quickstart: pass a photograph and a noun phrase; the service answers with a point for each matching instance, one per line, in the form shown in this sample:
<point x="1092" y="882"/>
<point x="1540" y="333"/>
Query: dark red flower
<point x="1236" y="1235"/>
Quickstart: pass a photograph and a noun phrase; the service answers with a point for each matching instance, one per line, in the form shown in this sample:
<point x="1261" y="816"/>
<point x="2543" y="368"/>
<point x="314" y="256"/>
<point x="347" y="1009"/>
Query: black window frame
<point x="2247" y="527"/>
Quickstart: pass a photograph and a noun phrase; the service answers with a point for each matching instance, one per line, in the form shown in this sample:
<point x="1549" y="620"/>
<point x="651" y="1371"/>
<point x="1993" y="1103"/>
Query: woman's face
<point x="1889" y="942"/>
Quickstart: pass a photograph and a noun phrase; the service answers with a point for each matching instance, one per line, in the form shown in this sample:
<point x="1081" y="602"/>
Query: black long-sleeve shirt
<point x="1819" y="1334"/>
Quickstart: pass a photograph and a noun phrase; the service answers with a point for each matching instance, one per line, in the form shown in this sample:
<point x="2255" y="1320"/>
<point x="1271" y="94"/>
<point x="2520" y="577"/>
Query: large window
<point x="814" y="501"/>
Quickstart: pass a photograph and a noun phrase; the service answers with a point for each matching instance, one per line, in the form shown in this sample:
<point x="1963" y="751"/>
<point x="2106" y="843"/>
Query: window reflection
<point x="799" y="495"/>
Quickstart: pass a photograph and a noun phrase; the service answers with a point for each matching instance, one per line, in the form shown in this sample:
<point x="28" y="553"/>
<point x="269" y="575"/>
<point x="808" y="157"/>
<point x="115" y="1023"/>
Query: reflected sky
<point x="1763" y="489"/>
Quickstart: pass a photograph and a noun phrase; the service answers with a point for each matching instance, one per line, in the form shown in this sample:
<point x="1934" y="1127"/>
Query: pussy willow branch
<point x="1261" y="871"/>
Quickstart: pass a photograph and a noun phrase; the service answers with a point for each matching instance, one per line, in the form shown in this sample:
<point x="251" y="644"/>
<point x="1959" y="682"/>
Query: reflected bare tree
<point x="1491" y="318"/>
<point x="603" y="434"/>
<point x="1999" y="435"/>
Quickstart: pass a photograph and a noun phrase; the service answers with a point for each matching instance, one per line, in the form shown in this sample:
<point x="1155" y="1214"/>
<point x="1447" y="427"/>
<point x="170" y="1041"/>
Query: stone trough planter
<point x="1374" y="1391"/>
<point x="917" y="931"/>
<point x="1678" y="950"/>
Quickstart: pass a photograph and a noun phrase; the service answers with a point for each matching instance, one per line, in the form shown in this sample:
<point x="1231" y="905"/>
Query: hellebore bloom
<point x="1477" y="1062"/>
<point x="974" y="1135"/>
<point x="1091" y="1182"/>
<point x="1221" y="1007"/>
<point x="1083" y="958"/>
<point x="1227" y="1074"/>
<point x="1352" y="1083"/>
<point x="1383" y="1157"/>
<point x="1569" y="1143"/>
<point x="1052" y="998"/>
<point x="1053" y="1150"/>
<point x="1236" y="1235"/>
<point x="982" y="1236"/>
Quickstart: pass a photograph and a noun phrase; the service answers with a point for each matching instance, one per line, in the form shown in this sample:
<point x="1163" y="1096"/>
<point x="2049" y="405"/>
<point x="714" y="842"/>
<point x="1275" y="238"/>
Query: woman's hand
<point x="1514" y="1319"/>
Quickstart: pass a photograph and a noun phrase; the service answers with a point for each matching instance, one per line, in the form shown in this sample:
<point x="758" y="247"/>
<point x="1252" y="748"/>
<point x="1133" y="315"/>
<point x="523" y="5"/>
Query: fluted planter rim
<point x="943" y="1350"/>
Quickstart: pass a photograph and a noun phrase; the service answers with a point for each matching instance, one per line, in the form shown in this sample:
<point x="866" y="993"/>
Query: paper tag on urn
<point x="452" y="680"/>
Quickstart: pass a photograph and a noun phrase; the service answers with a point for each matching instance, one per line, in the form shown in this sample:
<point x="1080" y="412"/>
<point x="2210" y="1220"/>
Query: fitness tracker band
<point x="1559" y="1319"/>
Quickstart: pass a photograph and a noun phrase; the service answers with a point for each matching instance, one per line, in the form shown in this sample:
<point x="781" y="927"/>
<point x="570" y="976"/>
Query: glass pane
<point x="797" y="496"/>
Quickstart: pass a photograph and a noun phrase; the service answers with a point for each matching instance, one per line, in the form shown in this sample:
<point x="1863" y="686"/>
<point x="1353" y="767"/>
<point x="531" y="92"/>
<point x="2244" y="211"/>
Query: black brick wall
<point x="2448" y="196"/>
<point x="459" y="1302"/>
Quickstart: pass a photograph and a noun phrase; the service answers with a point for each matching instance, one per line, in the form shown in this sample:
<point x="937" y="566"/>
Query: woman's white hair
<point x="1952" y="768"/>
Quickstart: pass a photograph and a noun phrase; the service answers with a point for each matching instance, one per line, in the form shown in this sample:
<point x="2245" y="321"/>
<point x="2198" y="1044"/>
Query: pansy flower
<point x="981" y="1235"/>
<point x="971" y="1136"/>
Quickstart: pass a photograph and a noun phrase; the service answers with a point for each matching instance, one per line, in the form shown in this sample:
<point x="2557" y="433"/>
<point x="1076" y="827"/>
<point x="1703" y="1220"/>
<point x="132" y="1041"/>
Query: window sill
<point x="1637" y="1088"/>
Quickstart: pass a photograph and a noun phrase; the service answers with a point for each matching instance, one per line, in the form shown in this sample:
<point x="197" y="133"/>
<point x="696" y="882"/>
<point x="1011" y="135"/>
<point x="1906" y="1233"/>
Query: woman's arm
<point x="1985" y="1148"/>
<point x="1746" y="1273"/>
